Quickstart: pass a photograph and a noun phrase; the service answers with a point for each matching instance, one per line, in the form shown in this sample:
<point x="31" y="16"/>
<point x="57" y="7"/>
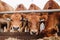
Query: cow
<point x="16" y="20"/>
<point x="33" y="23"/>
<point x="42" y="25"/>
<point x="33" y="20"/>
<point x="51" y="27"/>
<point x="4" y="23"/>
<point x="22" y="7"/>
<point x="16" y="23"/>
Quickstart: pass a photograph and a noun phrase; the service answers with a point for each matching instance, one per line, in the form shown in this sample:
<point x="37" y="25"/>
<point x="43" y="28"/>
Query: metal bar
<point x="26" y="11"/>
<point x="19" y="35"/>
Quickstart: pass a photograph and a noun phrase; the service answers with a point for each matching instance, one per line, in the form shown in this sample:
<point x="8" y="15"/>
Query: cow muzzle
<point x="34" y="32"/>
<point x="15" y="28"/>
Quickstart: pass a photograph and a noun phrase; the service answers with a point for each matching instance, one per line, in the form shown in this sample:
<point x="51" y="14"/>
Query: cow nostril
<point x="17" y="27"/>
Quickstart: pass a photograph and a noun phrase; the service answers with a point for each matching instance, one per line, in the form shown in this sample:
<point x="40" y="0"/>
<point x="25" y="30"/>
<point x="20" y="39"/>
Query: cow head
<point x="15" y="19"/>
<point x="33" y="21"/>
<point x="15" y="22"/>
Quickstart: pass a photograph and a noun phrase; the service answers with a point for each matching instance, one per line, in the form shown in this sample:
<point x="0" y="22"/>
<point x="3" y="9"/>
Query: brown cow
<point x="4" y="7"/>
<point x="22" y="7"/>
<point x="33" y="20"/>
<point x="51" y="27"/>
<point x="33" y="23"/>
<point x="16" y="23"/>
<point x="15" y="20"/>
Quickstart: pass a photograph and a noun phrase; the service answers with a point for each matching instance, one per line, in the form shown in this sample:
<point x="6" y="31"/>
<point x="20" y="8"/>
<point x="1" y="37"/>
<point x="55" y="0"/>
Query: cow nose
<point x="34" y="33"/>
<point x="15" y="28"/>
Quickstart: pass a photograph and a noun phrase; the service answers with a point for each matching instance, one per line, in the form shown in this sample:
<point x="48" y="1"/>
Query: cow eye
<point x="11" y="28"/>
<point x="11" y="20"/>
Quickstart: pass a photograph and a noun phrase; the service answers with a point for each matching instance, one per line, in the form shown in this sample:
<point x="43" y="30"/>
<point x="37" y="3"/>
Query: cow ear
<point x="45" y="17"/>
<point x="24" y="15"/>
<point x="6" y="17"/>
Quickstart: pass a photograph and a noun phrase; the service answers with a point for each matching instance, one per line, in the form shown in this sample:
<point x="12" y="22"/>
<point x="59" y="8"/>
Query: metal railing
<point x="26" y="11"/>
